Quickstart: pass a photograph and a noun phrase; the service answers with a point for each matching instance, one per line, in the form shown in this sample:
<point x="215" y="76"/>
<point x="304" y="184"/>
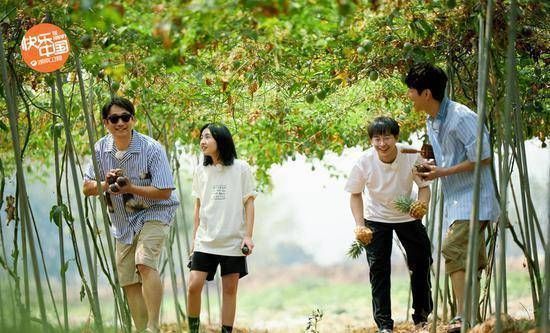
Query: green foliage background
<point x="287" y="77"/>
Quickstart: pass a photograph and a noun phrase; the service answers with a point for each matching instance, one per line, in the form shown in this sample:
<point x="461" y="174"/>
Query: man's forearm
<point x="424" y="194"/>
<point x="149" y="192"/>
<point x="356" y="204"/>
<point x="464" y="166"/>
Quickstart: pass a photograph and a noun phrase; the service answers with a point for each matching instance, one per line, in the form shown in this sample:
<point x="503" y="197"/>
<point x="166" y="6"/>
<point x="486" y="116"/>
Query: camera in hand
<point x="245" y="250"/>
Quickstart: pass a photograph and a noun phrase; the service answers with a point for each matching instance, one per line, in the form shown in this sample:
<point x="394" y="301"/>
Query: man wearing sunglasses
<point x="139" y="233"/>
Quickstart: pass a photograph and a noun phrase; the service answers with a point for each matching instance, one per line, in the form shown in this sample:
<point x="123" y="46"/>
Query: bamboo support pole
<point x="505" y="173"/>
<point x="119" y="299"/>
<point x="11" y="291"/>
<point x="471" y="295"/>
<point x="173" y="279"/>
<point x="439" y="203"/>
<point x="183" y="226"/>
<point x="93" y="297"/>
<point x="22" y="190"/>
<point x="59" y="201"/>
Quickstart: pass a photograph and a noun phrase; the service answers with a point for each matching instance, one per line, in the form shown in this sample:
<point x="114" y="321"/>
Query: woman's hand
<point x="249" y="244"/>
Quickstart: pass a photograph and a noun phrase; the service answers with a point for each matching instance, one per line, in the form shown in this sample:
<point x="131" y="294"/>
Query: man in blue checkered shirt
<point x="137" y="179"/>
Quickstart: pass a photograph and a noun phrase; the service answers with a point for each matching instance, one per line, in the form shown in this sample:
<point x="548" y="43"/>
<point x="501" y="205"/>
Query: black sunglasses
<point x="114" y="118"/>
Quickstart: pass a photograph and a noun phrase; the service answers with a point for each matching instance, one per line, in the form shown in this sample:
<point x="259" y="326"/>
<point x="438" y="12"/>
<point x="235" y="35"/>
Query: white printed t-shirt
<point x="384" y="182"/>
<point x="222" y="191"/>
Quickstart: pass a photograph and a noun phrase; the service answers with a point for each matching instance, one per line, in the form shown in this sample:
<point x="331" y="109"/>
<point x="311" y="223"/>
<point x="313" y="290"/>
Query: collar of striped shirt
<point x="442" y="113"/>
<point x="134" y="147"/>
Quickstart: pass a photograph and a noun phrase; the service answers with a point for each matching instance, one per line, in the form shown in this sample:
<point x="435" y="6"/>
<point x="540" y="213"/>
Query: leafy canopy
<point x="287" y="77"/>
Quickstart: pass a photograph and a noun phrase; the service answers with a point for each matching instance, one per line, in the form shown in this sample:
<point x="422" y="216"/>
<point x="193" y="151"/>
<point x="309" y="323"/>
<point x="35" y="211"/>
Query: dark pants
<point x="418" y="248"/>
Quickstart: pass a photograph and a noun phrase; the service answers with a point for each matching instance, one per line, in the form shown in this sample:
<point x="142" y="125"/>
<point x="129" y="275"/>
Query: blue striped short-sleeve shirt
<point x="453" y="134"/>
<point x="145" y="163"/>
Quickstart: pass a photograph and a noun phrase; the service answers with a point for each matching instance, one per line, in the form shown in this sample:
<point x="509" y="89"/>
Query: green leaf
<point x="58" y="212"/>
<point x="15" y="254"/>
<point x="3" y="126"/>
<point x="65" y="267"/>
<point x="67" y="215"/>
<point x="428" y="29"/>
<point x="56" y="130"/>
<point x="355" y="249"/>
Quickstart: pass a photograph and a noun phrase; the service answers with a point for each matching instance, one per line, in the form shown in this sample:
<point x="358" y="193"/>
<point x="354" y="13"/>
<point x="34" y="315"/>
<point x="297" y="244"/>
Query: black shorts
<point x="207" y="262"/>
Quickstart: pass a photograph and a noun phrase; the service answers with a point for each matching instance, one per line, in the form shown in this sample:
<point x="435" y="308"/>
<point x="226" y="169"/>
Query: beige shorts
<point x="144" y="250"/>
<point x="455" y="246"/>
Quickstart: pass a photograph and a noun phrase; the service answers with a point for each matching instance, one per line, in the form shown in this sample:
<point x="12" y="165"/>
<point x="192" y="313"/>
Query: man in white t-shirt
<point x="386" y="174"/>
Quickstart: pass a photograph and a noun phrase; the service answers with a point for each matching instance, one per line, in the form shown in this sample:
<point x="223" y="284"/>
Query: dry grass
<point x="510" y="325"/>
<point x="343" y="312"/>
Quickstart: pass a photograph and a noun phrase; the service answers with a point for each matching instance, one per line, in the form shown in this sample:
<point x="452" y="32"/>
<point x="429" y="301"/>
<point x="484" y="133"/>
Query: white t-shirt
<point x="222" y="191"/>
<point x="384" y="183"/>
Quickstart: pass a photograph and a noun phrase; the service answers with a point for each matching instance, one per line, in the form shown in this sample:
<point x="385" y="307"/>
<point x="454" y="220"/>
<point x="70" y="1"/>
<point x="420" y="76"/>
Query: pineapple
<point x="416" y="209"/>
<point x="364" y="237"/>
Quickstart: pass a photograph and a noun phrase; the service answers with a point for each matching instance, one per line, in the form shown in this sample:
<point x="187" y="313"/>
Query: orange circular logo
<point x="45" y="48"/>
